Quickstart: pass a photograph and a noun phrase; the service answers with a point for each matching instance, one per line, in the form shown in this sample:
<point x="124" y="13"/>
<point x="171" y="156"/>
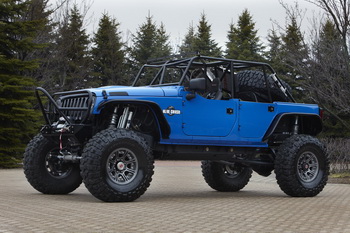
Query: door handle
<point x="229" y="111"/>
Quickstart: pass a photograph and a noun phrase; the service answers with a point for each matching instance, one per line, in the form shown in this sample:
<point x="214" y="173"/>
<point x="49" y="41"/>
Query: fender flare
<point x="163" y="125"/>
<point x="312" y="123"/>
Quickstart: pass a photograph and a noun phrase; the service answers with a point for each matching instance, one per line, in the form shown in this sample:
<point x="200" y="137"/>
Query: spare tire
<point x="254" y="82"/>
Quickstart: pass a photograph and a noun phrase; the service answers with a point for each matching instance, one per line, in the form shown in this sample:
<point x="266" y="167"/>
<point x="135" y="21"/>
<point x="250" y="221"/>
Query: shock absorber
<point x="113" y="122"/>
<point x="296" y="125"/>
<point x="123" y="118"/>
<point x="128" y="122"/>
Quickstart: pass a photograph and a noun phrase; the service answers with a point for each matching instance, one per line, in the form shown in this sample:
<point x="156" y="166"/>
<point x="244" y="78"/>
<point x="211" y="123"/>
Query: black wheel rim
<point x="307" y="167"/>
<point x="122" y="166"/>
<point x="56" y="167"/>
<point x="231" y="171"/>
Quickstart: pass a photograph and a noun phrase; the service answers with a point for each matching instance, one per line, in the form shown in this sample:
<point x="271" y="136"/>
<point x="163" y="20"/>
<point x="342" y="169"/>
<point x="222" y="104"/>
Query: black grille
<point x="75" y="107"/>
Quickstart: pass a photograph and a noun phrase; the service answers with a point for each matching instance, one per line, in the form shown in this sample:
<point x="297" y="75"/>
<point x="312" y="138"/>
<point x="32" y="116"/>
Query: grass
<point x="340" y="175"/>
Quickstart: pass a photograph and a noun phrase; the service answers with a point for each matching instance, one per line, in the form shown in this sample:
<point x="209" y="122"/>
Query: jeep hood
<point x="135" y="91"/>
<point x="128" y="91"/>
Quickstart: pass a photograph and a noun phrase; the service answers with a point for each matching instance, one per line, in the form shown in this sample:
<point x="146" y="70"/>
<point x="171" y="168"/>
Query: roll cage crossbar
<point x="184" y="66"/>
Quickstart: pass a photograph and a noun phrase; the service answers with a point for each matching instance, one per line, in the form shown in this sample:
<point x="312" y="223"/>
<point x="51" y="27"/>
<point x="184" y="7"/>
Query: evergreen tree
<point x="339" y="14"/>
<point x="144" y="43"/>
<point x="187" y="45"/>
<point x="203" y="43"/>
<point x="108" y="54"/>
<point x="329" y="37"/>
<point x="72" y="53"/>
<point x="329" y="79"/>
<point x="18" y="121"/>
<point x="293" y="47"/>
<point x="243" y="42"/>
<point x="294" y="57"/>
<point x="274" y="53"/>
<point x="149" y="42"/>
<point x="162" y="45"/>
<point x="39" y="10"/>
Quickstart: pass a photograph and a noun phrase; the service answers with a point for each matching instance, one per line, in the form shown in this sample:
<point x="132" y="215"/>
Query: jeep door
<point x="255" y="118"/>
<point x="208" y="117"/>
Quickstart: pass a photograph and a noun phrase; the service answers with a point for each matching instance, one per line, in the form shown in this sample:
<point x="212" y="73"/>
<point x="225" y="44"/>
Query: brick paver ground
<point x="178" y="200"/>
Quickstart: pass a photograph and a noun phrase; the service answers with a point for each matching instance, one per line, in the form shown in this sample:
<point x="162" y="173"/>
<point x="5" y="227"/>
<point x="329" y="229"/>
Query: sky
<point x="178" y="15"/>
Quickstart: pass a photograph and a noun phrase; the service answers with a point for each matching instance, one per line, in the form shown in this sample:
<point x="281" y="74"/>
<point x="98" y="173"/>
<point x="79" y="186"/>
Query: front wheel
<point x="117" y="165"/>
<point x="301" y="166"/>
<point x="45" y="172"/>
<point x="224" y="177"/>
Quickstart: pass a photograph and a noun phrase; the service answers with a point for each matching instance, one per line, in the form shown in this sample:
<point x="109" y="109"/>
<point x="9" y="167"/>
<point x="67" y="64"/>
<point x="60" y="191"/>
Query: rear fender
<point x="310" y="124"/>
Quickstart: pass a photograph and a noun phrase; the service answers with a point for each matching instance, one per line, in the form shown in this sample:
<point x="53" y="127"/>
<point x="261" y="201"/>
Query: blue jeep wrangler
<point x="235" y="116"/>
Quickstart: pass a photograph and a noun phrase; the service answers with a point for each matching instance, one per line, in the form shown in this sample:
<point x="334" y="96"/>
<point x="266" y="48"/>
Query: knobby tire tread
<point x="91" y="166"/>
<point x="214" y="177"/>
<point x="285" y="166"/>
<point x="39" y="178"/>
<point x="254" y="81"/>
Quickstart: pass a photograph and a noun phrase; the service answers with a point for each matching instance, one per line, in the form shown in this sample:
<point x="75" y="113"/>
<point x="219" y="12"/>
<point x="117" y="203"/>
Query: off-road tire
<point x="117" y="165"/>
<point x="46" y="174"/>
<point x="225" y="178"/>
<point x="301" y="166"/>
<point x="254" y="81"/>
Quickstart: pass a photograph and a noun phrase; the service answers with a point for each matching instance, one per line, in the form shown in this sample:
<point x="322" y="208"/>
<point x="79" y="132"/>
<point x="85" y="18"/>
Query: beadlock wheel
<point x="45" y="172"/>
<point x="122" y="166"/>
<point x="301" y="166"/>
<point x="307" y="166"/>
<point x="117" y="165"/>
<point x="56" y="167"/>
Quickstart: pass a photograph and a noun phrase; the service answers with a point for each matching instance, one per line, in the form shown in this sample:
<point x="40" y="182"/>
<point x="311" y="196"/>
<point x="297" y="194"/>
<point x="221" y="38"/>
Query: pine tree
<point x="187" y="45"/>
<point x="39" y="10"/>
<point x="293" y="47"/>
<point x="149" y="42"/>
<point x="162" y="45"/>
<point x="108" y="54"/>
<point x="339" y="14"/>
<point x="72" y="53"/>
<point x="294" y="57"/>
<point x="274" y="53"/>
<point x="329" y="41"/>
<point x="18" y="121"/>
<point x="243" y="42"/>
<point x="329" y="79"/>
<point x="144" y="42"/>
<point x="203" y="43"/>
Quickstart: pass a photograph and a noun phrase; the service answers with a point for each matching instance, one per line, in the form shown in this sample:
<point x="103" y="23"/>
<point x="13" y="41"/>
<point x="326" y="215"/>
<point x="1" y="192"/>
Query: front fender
<point x="163" y="125"/>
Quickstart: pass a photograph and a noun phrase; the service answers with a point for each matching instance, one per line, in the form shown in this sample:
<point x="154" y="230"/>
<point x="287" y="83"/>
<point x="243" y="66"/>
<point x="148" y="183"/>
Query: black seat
<point x="214" y="89"/>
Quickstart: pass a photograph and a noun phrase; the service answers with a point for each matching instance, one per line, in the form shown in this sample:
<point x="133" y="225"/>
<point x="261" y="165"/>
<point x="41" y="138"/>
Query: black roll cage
<point x="227" y="65"/>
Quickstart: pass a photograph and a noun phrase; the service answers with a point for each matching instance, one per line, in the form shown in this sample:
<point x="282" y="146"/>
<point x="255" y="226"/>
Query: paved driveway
<point x="178" y="200"/>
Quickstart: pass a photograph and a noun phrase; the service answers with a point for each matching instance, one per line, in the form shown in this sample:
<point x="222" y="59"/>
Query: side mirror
<point x="197" y="84"/>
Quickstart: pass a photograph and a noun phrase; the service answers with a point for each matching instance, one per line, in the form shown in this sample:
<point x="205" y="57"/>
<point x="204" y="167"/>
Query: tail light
<point x="321" y="111"/>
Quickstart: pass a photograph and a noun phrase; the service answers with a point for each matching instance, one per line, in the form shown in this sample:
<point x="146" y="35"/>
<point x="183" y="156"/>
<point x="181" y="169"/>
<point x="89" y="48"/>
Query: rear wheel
<point x="301" y="166"/>
<point x="225" y="178"/>
<point x="45" y="172"/>
<point x="117" y="165"/>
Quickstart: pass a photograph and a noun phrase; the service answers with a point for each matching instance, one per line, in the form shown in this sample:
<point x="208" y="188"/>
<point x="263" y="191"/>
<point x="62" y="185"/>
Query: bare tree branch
<point x="339" y="11"/>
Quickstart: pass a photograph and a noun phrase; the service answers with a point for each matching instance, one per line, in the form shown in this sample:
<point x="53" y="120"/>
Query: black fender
<point x="309" y="123"/>
<point x="163" y="125"/>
